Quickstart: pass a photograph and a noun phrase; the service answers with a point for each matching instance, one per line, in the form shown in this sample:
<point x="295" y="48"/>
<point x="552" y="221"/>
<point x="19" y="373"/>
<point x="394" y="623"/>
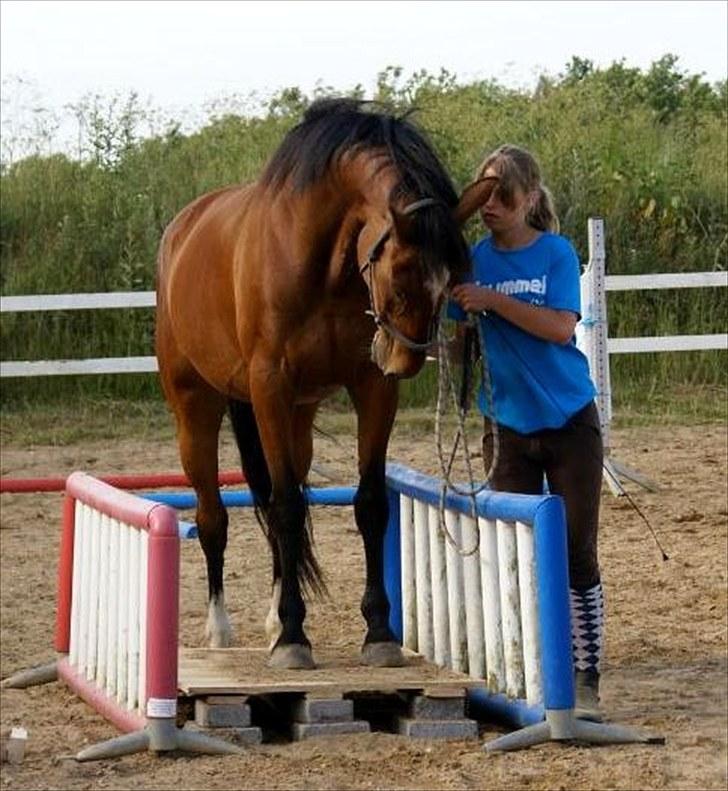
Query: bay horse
<point x="327" y="272"/>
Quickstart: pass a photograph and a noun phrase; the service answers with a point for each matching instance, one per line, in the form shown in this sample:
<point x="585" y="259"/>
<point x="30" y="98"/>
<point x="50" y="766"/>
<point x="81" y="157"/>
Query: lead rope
<point x="445" y="383"/>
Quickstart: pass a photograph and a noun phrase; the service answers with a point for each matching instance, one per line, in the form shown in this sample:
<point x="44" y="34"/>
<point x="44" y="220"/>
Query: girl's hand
<point x="472" y="297"/>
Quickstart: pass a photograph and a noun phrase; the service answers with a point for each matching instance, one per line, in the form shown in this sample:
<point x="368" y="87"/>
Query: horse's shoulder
<point x="205" y="205"/>
<point x="193" y="210"/>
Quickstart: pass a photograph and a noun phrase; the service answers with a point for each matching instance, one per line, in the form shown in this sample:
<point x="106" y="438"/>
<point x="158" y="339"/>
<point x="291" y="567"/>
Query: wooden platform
<point x="244" y="671"/>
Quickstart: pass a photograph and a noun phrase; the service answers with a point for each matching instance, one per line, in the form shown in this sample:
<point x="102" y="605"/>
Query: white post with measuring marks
<point x="592" y="339"/>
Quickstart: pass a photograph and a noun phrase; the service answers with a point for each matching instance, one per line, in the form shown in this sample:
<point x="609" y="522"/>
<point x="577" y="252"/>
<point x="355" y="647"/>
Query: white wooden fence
<point x="145" y="299"/>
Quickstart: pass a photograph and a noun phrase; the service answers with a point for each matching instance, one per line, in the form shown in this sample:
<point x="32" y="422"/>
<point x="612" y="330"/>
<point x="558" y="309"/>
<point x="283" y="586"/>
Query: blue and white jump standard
<point x="497" y="608"/>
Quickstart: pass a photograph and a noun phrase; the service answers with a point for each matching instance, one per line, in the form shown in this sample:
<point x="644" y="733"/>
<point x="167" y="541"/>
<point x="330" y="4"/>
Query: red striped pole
<point x="121" y="481"/>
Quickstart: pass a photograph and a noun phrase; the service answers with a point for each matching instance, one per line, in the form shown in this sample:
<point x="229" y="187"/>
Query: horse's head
<point x="407" y="263"/>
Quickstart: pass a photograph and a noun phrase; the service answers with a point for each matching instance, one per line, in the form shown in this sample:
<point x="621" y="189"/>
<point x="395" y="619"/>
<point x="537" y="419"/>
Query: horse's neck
<point x="329" y="217"/>
<point x="369" y="177"/>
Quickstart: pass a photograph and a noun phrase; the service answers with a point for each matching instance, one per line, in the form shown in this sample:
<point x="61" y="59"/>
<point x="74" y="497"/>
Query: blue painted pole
<point x="393" y="565"/>
<point x="552" y="573"/>
<point x="343" y="495"/>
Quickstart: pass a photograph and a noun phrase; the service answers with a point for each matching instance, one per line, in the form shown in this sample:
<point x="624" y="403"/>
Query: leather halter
<point x="373" y="255"/>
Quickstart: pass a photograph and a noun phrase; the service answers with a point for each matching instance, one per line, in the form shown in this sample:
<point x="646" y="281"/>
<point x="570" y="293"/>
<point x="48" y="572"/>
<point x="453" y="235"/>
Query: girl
<point x="525" y="288"/>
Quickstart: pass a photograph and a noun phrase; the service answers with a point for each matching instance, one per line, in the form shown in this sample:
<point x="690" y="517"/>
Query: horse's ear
<point x="473" y="197"/>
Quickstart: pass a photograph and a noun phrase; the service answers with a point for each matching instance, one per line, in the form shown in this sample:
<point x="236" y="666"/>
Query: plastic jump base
<point x="117" y="622"/>
<point x="501" y="613"/>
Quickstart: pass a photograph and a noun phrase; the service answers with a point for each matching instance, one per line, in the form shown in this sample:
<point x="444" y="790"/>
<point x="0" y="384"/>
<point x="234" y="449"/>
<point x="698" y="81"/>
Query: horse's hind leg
<point x="375" y="401"/>
<point x="257" y="477"/>
<point x="199" y="410"/>
<point x="303" y="417"/>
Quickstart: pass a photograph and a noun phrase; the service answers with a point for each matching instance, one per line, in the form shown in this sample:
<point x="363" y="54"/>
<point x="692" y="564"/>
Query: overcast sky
<point x="184" y="54"/>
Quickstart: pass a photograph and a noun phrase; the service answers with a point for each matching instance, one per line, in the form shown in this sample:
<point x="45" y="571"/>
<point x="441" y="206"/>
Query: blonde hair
<point x="515" y="168"/>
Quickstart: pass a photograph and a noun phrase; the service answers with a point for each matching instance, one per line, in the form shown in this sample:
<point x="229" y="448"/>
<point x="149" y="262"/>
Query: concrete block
<point x="437" y="729"/>
<point x="308" y="730"/>
<point x="221" y="715"/>
<point x="323" y="710"/>
<point x="428" y="708"/>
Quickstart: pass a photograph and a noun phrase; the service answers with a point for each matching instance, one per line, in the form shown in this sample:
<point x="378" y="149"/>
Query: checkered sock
<point x="587" y="617"/>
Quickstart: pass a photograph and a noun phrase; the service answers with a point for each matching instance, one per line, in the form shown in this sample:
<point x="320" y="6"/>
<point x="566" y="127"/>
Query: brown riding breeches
<point x="571" y="459"/>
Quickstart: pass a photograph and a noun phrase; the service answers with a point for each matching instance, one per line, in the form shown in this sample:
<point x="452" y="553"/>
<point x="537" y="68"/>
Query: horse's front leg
<point x="375" y="400"/>
<point x="286" y="516"/>
<point x="303" y="418"/>
<point x="199" y="411"/>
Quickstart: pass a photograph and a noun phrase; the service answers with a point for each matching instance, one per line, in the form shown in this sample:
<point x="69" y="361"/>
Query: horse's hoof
<point x="383" y="655"/>
<point x="292" y="656"/>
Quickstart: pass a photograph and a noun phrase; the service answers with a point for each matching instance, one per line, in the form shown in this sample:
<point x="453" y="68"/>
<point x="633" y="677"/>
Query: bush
<point x="644" y="149"/>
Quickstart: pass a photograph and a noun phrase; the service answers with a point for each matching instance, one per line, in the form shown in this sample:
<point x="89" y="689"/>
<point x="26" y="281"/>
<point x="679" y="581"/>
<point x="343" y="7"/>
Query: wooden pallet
<point x="244" y="671"/>
<point x="339" y="696"/>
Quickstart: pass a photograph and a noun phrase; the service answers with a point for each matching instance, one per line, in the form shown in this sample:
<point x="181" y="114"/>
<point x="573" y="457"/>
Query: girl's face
<point x="501" y="216"/>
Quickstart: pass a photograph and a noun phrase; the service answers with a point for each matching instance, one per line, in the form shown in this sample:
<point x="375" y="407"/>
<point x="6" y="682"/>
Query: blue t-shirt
<point x="537" y="384"/>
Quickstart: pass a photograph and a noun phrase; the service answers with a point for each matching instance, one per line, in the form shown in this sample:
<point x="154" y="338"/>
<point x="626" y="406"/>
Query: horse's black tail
<point x="258" y="479"/>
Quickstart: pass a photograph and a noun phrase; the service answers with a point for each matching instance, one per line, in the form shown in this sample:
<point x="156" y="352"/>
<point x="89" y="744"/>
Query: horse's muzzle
<point x="394" y="358"/>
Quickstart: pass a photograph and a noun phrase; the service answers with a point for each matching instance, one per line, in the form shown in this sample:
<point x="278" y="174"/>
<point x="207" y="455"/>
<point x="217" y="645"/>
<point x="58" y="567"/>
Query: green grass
<point x="642" y="405"/>
<point x="72" y="422"/>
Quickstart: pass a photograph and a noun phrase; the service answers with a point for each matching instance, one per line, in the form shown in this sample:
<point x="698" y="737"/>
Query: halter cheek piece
<point x="375" y="252"/>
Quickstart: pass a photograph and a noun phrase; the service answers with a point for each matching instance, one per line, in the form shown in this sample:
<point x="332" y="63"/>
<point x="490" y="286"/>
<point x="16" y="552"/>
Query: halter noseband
<point x="375" y="252"/>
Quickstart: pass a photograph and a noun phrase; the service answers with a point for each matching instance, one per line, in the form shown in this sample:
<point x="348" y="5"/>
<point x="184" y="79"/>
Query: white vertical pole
<point x="409" y="595"/>
<point x="73" y="652"/>
<point x="439" y="588"/>
<point x="93" y="598"/>
<point x="85" y="560"/>
<point x="455" y="596"/>
<point x="529" y="613"/>
<point x="102" y="630"/>
<point x="112" y="626"/>
<point x="423" y="587"/>
<point x="494" y="660"/>
<point x="132" y="686"/>
<point x="473" y="597"/>
<point x="510" y="608"/>
<point x="122" y="648"/>
<point x="593" y="335"/>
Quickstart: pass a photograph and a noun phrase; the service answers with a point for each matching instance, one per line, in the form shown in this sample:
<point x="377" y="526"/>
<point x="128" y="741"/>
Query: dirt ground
<point x="665" y="667"/>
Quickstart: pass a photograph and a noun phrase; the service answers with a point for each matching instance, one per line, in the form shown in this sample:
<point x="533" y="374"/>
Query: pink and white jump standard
<point x="118" y="614"/>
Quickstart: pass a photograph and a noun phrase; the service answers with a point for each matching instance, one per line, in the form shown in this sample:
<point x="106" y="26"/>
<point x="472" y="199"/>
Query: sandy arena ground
<point x="665" y="663"/>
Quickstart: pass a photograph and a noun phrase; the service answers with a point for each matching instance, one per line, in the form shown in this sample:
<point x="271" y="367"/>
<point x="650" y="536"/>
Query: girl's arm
<point x="548" y="324"/>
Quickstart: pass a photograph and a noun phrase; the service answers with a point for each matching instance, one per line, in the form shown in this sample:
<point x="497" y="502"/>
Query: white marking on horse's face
<point x="273" y="625"/>
<point x="218" y="630"/>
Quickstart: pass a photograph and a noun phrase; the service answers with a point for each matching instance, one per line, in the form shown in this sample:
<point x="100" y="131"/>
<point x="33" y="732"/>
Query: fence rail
<point x="146" y="299"/>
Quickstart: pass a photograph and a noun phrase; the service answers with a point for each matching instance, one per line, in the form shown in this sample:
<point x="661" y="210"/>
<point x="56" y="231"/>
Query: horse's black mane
<point x="333" y="127"/>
